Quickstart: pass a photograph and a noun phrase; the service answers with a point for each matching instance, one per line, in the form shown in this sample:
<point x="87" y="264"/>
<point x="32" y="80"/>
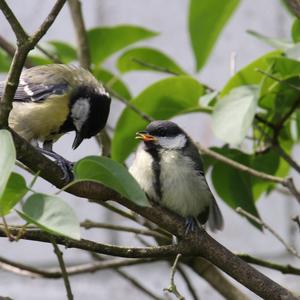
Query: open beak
<point x="77" y="141"/>
<point x="144" y="136"/>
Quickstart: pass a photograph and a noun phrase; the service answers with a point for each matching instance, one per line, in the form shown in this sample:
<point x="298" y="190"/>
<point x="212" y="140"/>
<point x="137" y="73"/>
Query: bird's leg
<point x="190" y="224"/>
<point x="65" y="165"/>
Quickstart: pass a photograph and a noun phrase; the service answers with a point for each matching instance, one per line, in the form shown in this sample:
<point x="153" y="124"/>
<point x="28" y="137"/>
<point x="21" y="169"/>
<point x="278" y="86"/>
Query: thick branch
<point x="198" y="243"/>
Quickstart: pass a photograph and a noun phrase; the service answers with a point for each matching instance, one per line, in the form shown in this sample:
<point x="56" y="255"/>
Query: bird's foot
<point x="190" y="224"/>
<point x="65" y="165"/>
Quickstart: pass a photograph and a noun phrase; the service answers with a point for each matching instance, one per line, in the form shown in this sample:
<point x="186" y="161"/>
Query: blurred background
<point x="169" y="18"/>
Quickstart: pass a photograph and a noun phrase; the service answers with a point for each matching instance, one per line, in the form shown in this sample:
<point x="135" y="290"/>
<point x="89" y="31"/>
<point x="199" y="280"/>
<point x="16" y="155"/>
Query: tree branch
<point x="24" y="45"/>
<point x="294" y="6"/>
<point x="197" y="243"/>
<point x="286" y="182"/>
<point x="285" y="269"/>
<point x="64" y="272"/>
<point x="81" y="37"/>
<point x="216" y="279"/>
<point x="55" y="273"/>
<point x="87" y="224"/>
<point x="269" y="228"/>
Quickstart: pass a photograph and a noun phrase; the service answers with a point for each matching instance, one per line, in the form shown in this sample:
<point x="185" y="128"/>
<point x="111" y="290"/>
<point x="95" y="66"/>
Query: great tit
<point x="52" y="100"/>
<point x="169" y="169"/>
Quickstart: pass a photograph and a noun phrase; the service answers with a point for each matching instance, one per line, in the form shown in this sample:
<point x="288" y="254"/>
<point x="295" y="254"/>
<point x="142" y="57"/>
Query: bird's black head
<point x="163" y="134"/>
<point x="89" y="112"/>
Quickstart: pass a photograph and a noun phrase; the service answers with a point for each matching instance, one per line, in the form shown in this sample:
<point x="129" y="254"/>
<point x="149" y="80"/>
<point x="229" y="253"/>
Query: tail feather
<point x="215" y="219"/>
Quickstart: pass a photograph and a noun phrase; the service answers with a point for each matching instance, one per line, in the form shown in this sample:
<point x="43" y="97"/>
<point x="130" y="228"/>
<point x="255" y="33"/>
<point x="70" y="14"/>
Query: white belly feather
<point x="183" y="191"/>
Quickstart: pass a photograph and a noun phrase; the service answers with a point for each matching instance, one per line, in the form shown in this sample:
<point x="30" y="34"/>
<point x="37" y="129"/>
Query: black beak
<point x="77" y="141"/>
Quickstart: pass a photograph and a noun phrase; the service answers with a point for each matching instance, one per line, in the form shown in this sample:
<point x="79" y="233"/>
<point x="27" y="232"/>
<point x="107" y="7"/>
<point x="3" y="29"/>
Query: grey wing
<point x="28" y="91"/>
<point x="212" y="213"/>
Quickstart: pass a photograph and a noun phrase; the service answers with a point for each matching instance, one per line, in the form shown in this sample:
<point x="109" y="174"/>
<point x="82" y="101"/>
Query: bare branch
<point x="172" y="286"/>
<point x="20" y="33"/>
<point x="269" y="228"/>
<point x="187" y="282"/>
<point x="82" y="41"/>
<point x="138" y="285"/>
<point x="196" y="243"/>
<point x="54" y="273"/>
<point x="286" y="182"/>
<point x="87" y="224"/>
<point x="64" y="272"/>
<point x="285" y="269"/>
<point x="25" y="44"/>
<point x="294" y="6"/>
<point x="216" y="279"/>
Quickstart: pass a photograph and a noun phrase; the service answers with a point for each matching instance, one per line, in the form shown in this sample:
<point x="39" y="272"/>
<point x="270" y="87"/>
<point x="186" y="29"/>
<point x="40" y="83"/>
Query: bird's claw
<point x="190" y="225"/>
<point x="66" y="167"/>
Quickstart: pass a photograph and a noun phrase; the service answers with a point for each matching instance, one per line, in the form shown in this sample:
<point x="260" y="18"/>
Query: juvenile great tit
<point x="52" y="100"/>
<point x="169" y="169"/>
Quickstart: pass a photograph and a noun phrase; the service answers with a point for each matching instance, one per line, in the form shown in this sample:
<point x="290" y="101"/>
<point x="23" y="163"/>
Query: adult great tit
<point x="52" y="100"/>
<point x="169" y="169"/>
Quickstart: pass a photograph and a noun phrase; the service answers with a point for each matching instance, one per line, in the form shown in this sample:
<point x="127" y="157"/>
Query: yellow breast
<point x="33" y="120"/>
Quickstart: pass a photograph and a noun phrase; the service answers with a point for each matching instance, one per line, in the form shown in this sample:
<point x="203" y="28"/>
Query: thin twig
<point x="137" y="284"/>
<point x="87" y="224"/>
<point x="285" y="269"/>
<point x="297" y="220"/>
<point x="24" y="45"/>
<point x="82" y="41"/>
<point x="64" y="272"/>
<point x="55" y="273"/>
<point x="155" y="67"/>
<point x="130" y="105"/>
<point x="286" y="182"/>
<point x="278" y="79"/>
<point x="20" y="33"/>
<point x="135" y="218"/>
<point x="246" y="214"/>
<point x="188" y="282"/>
<point x="172" y="286"/>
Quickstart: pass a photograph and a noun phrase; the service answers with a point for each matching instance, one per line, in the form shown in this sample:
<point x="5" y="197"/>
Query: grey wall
<point x="168" y="17"/>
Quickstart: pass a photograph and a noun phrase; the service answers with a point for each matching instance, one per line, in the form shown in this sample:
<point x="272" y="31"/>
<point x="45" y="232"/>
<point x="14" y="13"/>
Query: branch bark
<point x="24" y="45"/>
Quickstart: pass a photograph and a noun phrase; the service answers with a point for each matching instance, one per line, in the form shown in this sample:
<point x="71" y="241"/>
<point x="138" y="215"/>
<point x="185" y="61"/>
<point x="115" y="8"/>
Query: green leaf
<point x="65" y="52"/>
<point x="113" y="82"/>
<point x="234" y="114"/>
<point x="232" y="185"/>
<point x="52" y="214"/>
<point x="268" y="163"/>
<point x="38" y="60"/>
<point x="206" y="21"/>
<point x="105" y="41"/>
<point x="284" y="67"/>
<point x="162" y="100"/>
<point x="7" y="158"/>
<point x="296" y="31"/>
<point x="113" y="175"/>
<point x="273" y="42"/>
<point x="249" y="75"/>
<point x="133" y="59"/>
<point x="14" y="191"/>
<point x="5" y="61"/>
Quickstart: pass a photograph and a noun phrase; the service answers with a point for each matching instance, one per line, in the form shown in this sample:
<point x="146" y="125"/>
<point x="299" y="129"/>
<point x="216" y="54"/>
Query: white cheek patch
<point x="176" y="142"/>
<point x="80" y="112"/>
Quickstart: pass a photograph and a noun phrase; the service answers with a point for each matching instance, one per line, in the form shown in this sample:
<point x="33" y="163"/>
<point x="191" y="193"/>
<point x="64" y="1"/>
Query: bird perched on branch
<point x="169" y="169"/>
<point x="52" y="100"/>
